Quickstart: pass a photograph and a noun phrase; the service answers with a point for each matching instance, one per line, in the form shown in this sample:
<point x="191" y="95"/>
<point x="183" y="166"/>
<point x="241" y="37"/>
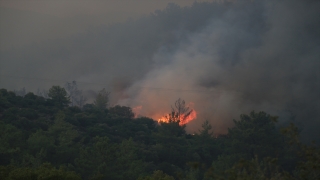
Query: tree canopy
<point x="47" y="139"/>
<point x="102" y="99"/>
<point x="59" y="96"/>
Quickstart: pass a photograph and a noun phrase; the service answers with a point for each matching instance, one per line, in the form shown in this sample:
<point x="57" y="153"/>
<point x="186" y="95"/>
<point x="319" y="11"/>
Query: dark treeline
<point x="46" y="138"/>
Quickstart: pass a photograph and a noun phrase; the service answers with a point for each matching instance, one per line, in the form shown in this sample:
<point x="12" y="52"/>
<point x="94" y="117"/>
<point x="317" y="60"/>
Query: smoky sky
<point x="225" y="57"/>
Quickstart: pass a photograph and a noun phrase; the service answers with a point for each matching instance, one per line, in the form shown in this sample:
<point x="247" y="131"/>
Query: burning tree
<point x="180" y="113"/>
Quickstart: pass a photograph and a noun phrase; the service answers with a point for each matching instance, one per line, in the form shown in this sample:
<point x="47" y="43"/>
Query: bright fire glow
<point x="192" y="116"/>
<point x="183" y="120"/>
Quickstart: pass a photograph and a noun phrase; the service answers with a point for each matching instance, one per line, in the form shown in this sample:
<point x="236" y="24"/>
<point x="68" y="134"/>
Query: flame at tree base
<point x="175" y="117"/>
<point x="181" y="113"/>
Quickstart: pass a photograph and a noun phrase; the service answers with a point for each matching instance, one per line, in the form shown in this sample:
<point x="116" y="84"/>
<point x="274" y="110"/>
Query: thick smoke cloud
<point x="256" y="56"/>
<point x="225" y="58"/>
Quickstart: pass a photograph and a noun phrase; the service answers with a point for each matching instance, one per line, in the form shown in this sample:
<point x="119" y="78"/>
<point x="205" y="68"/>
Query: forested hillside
<point x="46" y="138"/>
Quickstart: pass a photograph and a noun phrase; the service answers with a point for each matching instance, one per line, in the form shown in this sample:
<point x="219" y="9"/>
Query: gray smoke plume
<point x="262" y="56"/>
<point x="224" y="58"/>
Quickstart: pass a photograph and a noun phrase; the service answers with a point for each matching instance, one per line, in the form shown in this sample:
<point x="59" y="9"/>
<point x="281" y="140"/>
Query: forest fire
<point x="180" y="112"/>
<point x="182" y="118"/>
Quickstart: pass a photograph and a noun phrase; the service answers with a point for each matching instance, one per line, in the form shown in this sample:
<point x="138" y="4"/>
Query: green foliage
<point x="43" y="172"/>
<point x="59" y="96"/>
<point x="309" y="167"/>
<point x="95" y="159"/>
<point x="40" y="144"/>
<point x="205" y="131"/>
<point x="157" y="175"/>
<point x="171" y="147"/>
<point x="256" y="134"/>
<point x="114" y="161"/>
<point x="128" y="160"/>
<point x="11" y="143"/>
<point x="121" y="111"/>
<point x="110" y="143"/>
<point x="254" y="169"/>
<point x="171" y="128"/>
<point x="65" y="135"/>
<point x="102" y="99"/>
<point x="203" y="147"/>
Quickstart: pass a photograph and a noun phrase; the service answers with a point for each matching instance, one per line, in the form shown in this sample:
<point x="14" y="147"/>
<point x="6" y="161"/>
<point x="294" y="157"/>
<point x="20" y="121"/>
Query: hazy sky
<point x="27" y="21"/>
<point x="69" y="8"/>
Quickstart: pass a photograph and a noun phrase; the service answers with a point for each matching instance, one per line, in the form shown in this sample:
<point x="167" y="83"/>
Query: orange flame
<point x="192" y="116"/>
<point x="183" y="120"/>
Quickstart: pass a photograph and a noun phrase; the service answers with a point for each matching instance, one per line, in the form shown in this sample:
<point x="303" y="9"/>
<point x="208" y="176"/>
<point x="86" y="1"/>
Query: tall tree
<point x="203" y="146"/>
<point x="59" y="96"/>
<point x="256" y="134"/>
<point x="179" y="112"/>
<point x="102" y="99"/>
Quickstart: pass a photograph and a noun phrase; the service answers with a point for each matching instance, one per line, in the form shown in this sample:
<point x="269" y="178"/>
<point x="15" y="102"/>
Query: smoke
<point x="226" y="58"/>
<point x="253" y="56"/>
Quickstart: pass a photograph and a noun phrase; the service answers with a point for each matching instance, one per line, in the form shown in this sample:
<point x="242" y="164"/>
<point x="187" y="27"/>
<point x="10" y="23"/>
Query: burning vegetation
<point x="179" y="113"/>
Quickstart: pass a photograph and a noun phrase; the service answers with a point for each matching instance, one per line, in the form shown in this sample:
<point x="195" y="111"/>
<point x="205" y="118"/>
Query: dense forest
<point x="51" y="138"/>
